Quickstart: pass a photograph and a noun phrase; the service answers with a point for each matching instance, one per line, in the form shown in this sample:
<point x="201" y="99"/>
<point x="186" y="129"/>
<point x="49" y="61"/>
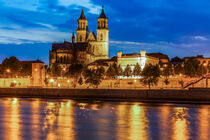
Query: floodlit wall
<point x="20" y="82"/>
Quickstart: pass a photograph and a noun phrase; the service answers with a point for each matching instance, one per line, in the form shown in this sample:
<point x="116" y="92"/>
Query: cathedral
<point x="86" y="47"/>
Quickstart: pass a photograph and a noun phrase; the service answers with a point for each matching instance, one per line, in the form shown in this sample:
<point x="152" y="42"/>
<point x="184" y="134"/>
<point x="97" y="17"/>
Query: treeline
<point x="150" y="74"/>
<point x="12" y="67"/>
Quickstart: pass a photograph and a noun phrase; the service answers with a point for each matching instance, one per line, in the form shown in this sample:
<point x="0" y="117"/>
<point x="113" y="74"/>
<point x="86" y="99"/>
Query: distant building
<point x="132" y="59"/>
<point x="200" y="58"/>
<point x="38" y="74"/>
<point x="141" y="58"/>
<point x="87" y="47"/>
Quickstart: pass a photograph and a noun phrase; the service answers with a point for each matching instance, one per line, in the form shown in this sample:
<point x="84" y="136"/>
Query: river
<point x="67" y="119"/>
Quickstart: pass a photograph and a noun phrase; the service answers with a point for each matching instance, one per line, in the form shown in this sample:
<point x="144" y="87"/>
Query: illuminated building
<point x="87" y="47"/>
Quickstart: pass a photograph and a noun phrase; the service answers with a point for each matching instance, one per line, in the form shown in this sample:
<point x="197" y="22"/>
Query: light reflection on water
<point x="70" y="120"/>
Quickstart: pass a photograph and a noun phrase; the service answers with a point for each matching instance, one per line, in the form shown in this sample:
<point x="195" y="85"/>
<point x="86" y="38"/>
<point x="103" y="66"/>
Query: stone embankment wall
<point x="110" y="94"/>
<point x="20" y="82"/>
<point x="107" y="84"/>
<point x="134" y="84"/>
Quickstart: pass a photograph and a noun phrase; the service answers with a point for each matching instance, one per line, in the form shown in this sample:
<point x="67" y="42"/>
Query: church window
<point x="61" y="59"/>
<point x="101" y="36"/>
<point x="80" y="38"/>
<point x="83" y="25"/>
<point x="64" y="60"/>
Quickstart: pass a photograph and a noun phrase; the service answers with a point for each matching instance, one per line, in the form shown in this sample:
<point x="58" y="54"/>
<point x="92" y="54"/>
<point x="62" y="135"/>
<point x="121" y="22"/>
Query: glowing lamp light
<point x="36" y="69"/>
<point x="59" y="85"/>
<point x="51" y="80"/>
<point x="134" y="81"/>
<point x="68" y="81"/>
<point x="8" y="70"/>
<point x="15" y="81"/>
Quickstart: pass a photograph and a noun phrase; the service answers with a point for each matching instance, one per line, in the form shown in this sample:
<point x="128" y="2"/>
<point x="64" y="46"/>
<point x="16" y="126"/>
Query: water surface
<point x="71" y="120"/>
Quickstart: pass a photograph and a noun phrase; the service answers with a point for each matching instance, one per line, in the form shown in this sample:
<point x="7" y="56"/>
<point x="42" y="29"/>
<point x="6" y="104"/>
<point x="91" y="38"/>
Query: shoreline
<point x="193" y="95"/>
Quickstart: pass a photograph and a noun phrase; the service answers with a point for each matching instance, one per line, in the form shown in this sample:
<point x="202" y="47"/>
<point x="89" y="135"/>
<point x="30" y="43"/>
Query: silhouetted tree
<point x="93" y="77"/>
<point x="110" y="72"/>
<point x="137" y="70"/>
<point x="178" y="69"/>
<point x="120" y="70"/>
<point x="26" y="69"/>
<point x="12" y="64"/>
<point x="167" y="71"/>
<point x="150" y="75"/>
<point x="166" y="81"/>
<point x="191" y="67"/>
<point x="128" y="71"/>
<point x="55" y="70"/>
<point x="80" y="81"/>
<point x="176" y="59"/>
<point x="202" y="70"/>
<point x="75" y="71"/>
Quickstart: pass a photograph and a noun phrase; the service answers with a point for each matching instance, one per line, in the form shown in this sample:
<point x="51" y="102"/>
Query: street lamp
<point x="63" y="70"/>
<point x="68" y="81"/>
<point x="52" y="81"/>
<point x="8" y="70"/>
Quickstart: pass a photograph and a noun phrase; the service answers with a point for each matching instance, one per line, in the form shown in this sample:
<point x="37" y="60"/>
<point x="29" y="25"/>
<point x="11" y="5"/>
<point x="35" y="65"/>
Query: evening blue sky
<point x="174" y="27"/>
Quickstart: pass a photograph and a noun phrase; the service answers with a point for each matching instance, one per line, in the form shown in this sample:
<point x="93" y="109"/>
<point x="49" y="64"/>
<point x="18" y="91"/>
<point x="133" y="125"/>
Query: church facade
<point x="86" y="47"/>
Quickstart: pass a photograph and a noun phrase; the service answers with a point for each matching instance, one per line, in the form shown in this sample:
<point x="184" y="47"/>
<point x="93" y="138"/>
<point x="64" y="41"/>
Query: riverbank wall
<point x="109" y="94"/>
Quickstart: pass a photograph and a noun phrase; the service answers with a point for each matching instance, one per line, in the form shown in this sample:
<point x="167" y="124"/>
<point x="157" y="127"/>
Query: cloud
<point x="200" y="38"/>
<point x="170" y="48"/>
<point x="92" y="8"/>
<point x="37" y="35"/>
<point x="30" y="5"/>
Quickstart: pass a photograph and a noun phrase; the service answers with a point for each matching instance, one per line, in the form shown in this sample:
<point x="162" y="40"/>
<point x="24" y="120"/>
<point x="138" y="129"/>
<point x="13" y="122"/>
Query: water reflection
<point x="131" y="122"/>
<point x="35" y="107"/>
<point x="12" y="119"/>
<point x="66" y="121"/>
<point x="204" y="125"/>
<point x="165" y="122"/>
<point x="180" y="124"/>
<point x="138" y="123"/>
<point x="70" y="120"/>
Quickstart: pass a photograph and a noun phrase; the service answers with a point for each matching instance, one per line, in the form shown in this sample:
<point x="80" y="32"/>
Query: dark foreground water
<point x="99" y="120"/>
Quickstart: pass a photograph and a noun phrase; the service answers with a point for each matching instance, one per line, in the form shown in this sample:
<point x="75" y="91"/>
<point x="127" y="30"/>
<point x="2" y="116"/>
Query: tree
<point x="120" y="70"/>
<point x="166" y="81"/>
<point x="167" y="71"/>
<point x="11" y="66"/>
<point x="26" y="69"/>
<point x="75" y="71"/>
<point x="128" y="71"/>
<point x="55" y="70"/>
<point x="137" y="70"/>
<point x="150" y="75"/>
<point x="176" y="59"/>
<point x="93" y="77"/>
<point x="178" y="69"/>
<point x="202" y="70"/>
<point x="1" y="71"/>
<point x="191" y="67"/>
<point x="110" y="72"/>
<point x="80" y="81"/>
<point x="115" y="67"/>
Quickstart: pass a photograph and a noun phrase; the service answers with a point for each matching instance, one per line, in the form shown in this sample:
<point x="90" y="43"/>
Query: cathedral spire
<point x="82" y="16"/>
<point x="73" y="38"/>
<point x="102" y="13"/>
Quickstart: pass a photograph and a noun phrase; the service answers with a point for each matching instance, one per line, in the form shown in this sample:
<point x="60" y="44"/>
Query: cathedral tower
<point x="82" y="28"/>
<point x="103" y="33"/>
